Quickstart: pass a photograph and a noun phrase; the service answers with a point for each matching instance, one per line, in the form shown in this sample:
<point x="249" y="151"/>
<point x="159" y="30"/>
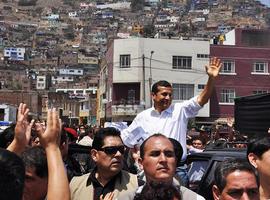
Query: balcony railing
<point x="122" y="110"/>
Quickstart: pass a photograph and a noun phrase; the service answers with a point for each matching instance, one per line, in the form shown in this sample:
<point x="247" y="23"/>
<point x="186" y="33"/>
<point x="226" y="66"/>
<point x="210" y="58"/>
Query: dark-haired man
<point x="258" y="153"/>
<point x="158" y="160"/>
<point x="11" y="176"/>
<point x="235" y="179"/>
<point x="36" y="173"/>
<point x="163" y="117"/>
<point x="170" y="120"/>
<point x="107" y="177"/>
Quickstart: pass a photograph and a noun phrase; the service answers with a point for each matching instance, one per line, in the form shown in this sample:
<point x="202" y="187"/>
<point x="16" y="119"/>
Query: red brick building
<point x="246" y="58"/>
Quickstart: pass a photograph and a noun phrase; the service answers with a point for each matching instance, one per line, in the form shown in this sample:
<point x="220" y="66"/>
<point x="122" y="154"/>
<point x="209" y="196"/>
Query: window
<point x="201" y="86"/>
<point x="131" y="96"/>
<point x="228" y="66"/>
<point x="183" y="91"/>
<point x="202" y="56"/>
<point x="260" y="92"/>
<point x="260" y="67"/>
<point x="182" y="62"/>
<point x="124" y="61"/>
<point x="227" y="96"/>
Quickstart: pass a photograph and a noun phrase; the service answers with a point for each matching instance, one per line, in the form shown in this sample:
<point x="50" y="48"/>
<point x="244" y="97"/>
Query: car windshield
<point x="196" y="170"/>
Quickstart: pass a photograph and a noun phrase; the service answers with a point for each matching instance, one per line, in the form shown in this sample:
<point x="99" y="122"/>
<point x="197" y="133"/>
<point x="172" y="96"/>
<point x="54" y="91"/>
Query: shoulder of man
<point x="125" y="188"/>
<point x="129" y="177"/>
<point x="78" y="181"/>
<point x="189" y="194"/>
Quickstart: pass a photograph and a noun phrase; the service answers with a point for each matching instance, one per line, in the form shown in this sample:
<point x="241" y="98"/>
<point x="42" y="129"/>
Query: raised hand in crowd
<point x="214" y="67"/>
<point x="58" y="186"/>
<point x="22" y="130"/>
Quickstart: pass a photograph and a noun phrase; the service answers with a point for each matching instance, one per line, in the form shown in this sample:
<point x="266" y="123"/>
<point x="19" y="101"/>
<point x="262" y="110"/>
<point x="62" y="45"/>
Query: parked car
<point x="201" y="167"/>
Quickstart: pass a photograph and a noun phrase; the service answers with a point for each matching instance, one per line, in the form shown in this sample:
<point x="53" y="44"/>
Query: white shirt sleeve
<point x="134" y="134"/>
<point x="199" y="197"/>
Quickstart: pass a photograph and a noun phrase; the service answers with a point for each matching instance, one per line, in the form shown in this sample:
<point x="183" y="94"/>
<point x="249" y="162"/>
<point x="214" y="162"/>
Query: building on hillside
<point x="14" y="53"/>
<point x="31" y="98"/>
<point x="8" y="113"/>
<point x="245" y="54"/>
<point x="131" y="66"/>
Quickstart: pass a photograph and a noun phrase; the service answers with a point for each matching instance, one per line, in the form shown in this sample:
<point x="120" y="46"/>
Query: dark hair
<point x="228" y="166"/>
<point x="158" y="191"/>
<point x="259" y="146"/>
<point x="161" y="83"/>
<point x="64" y="137"/>
<point x="12" y="173"/>
<point x="7" y="136"/>
<point x="178" y="150"/>
<point x="145" y="141"/>
<point x="101" y="134"/>
<point x="199" y="138"/>
<point x="35" y="157"/>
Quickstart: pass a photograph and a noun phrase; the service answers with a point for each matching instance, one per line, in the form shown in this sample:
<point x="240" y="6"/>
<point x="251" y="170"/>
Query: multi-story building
<point x="43" y="82"/>
<point x="246" y="57"/>
<point x="131" y="66"/>
<point x="14" y="53"/>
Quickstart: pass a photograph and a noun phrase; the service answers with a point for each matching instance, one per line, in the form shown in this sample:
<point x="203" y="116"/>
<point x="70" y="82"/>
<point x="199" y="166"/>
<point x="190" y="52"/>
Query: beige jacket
<point x="124" y="187"/>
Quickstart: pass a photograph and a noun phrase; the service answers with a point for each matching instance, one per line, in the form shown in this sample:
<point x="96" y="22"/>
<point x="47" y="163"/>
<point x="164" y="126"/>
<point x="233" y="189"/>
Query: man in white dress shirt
<point x="165" y="118"/>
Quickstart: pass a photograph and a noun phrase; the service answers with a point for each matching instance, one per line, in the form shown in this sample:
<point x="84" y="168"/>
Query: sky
<point x="266" y="2"/>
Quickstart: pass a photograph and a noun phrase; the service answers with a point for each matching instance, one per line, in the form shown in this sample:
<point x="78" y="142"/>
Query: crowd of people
<point x="145" y="161"/>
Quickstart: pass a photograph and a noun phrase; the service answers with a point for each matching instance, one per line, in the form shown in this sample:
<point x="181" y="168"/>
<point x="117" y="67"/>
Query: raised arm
<point x="212" y="70"/>
<point x="58" y="187"/>
<point x="22" y="131"/>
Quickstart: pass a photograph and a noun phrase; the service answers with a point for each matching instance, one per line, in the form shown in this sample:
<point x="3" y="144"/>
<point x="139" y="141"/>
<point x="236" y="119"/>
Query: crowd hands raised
<point x="144" y="161"/>
<point x="109" y="178"/>
<point x="53" y="182"/>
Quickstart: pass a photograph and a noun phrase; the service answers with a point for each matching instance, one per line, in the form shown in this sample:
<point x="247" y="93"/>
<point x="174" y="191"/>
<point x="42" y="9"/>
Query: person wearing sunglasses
<point x="108" y="177"/>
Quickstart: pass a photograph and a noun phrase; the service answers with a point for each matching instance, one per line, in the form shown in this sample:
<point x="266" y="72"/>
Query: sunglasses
<point x="113" y="149"/>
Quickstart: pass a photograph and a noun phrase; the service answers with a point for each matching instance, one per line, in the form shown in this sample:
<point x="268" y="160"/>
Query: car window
<point x="196" y="170"/>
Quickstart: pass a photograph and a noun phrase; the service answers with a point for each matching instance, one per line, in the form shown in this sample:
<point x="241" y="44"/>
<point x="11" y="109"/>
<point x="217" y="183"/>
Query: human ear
<point x="140" y="163"/>
<point x="94" y="155"/>
<point x="215" y="192"/>
<point x="252" y="158"/>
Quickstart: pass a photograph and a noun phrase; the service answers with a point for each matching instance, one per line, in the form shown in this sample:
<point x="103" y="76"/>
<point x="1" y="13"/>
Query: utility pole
<point x="143" y="68"/>
<point x="150" y="77"/>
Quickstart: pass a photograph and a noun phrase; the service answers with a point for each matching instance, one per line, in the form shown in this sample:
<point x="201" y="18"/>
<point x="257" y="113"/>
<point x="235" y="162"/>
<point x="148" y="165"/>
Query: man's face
<point x="159" y="162"/>
<point x="240" y="185"/>
<point x="163" y="98"/>
<point x="197" y="144"/>
<point x="35" y="188"/>
<point x="110" y="163"/>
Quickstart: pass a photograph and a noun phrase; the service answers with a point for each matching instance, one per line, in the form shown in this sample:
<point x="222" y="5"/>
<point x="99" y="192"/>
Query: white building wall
<point x="161" y="63"/>
<point x="62" y="79"/>
<point x="230" y="38"/>
<point x="71" y="71"/>
<point x="41" y="82"/>
<point x="9" y="112"/>
<point x="14" y="53"/>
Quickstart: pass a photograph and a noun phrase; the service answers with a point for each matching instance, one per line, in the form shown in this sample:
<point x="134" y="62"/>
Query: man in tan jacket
<point x="107" y="177"/>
